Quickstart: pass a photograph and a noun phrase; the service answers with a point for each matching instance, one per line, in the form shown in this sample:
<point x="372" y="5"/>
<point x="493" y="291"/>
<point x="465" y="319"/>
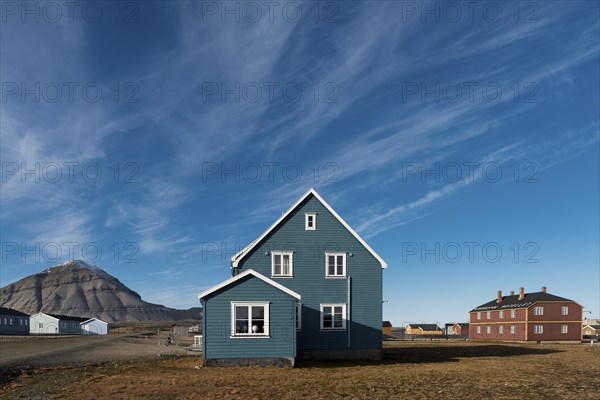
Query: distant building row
<point x="13" y="322"/>
<point x="523" y="317"/>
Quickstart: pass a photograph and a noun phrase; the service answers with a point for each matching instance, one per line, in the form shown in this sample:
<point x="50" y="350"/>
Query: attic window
<point x="310" y="222"/>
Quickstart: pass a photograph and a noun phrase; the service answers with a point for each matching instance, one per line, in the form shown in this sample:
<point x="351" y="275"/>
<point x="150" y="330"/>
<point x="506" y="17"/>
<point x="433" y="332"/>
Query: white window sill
<point x="281" y="276"/>
<point x="250" y="337"/>
<point x="336" y="277"/>
<point x="333" y="329"/>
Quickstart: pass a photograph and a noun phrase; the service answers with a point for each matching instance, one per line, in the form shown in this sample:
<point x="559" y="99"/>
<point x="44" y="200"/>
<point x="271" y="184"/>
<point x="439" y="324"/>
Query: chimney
<point x="512" y="292"/>
<point x="544" y="288"/>
<point x="521" y="293"/>
<point x="499" y="296"/>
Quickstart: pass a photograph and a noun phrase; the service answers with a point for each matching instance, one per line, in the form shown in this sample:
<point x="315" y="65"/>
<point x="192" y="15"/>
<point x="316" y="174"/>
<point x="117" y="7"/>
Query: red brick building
<point x="527" y="317"/>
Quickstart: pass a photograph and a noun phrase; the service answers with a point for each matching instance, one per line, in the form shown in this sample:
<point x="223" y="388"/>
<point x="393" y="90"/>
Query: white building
<point x="94" y="326"/>
<point x="53" y="324"/>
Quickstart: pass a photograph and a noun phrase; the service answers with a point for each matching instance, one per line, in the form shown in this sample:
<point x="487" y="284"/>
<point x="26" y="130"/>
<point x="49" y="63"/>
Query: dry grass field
<point x="408" y="370"/>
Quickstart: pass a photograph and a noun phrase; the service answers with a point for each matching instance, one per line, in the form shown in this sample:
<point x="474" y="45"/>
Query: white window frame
<point x="10" y="321"/>
<point x="344" y="316"/>
<point x="538" y="310"/>
<point x="501" y="314"/>
<point x="513" y="329"/>
<point x="249" y="304"/>
<point x="513" y="313"/>
<point x="478" y="314"/>
<point x="335" y="258"/>
<point x="538" y="329"/>
<point x="501" y="330"/>
<point x="488" y="329"/>
<point x="489" y="315"/>
<point x="564" y="329"/>
<point x="479" y="329"/>
<point x="564" y="310"/>
<point x="282" y="253"/>
<point x="314" y="221"/>
<point x="298" y="316"/>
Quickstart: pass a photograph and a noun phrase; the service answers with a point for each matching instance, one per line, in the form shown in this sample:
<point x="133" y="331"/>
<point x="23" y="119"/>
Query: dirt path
<point x="75" y="350"/>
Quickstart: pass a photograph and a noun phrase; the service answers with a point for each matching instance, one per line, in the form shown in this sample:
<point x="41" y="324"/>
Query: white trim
<point x="235" y="259"/>
<point x="314" y="221"/>
<point x="335" y="265"/>
<point x="282" y="253"/>
<point x="343" y="328"/>
<point x="264" y="304"/>
<point x="246" y="273"/>
<point x="564" y="328"/>
<point x="538" y="329"/>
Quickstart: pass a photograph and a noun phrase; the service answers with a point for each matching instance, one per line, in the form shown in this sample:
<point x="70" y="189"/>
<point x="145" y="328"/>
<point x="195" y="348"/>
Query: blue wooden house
<point x="308" y="287"/>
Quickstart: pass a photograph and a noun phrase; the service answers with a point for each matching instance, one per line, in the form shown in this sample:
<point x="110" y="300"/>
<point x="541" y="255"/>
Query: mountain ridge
<point x="79" y="288"/>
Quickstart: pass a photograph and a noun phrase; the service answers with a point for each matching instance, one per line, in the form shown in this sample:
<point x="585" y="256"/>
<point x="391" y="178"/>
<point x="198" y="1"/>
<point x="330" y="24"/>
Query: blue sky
<point x="462" y="142"/>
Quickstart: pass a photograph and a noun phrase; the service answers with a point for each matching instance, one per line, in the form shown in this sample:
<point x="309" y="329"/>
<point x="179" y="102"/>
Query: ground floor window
<point x="501" y="329"/>
<point x="513" y="329"/>
<point x="564" y="329"/>
<point x="250" y="319"/>
<point x="333" y="316"/>
<point x="538" y="329"/>
<point x="488" y="329"/>
<point x="479" y="329"/>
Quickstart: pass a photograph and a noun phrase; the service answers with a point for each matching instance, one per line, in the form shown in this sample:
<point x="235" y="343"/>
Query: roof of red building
<point x="513" y="301"/>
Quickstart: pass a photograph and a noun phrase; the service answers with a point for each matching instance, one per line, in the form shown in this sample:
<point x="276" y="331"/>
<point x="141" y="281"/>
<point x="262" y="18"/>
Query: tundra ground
<point x="415" y="370"/>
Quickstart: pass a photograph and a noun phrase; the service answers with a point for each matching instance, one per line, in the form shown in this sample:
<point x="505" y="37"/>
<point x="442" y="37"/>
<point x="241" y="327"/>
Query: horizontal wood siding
<point x="309" y="247"/>
<point x="14" y="325"/>
<point x="217" y="341"/>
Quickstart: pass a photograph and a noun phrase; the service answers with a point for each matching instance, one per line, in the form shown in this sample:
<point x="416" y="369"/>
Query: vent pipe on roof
<point x="512" y="292"/>
<point x="544" y="288"/>
<point x="521" y="293"/>
<point x="499" y="299"/>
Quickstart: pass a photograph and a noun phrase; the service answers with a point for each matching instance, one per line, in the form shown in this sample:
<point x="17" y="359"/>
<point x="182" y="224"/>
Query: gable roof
<point x="387" y="324"/>
<point x="513" y="301"/>
<point x="595" y="327"/>
<point x="244" y="274"/>
<point x="10" y="311"/>
<point x="239" y="256"/>
<point x="462" y="324"/>
<point x="425" y="327"/>
<point x="87" y="321"/>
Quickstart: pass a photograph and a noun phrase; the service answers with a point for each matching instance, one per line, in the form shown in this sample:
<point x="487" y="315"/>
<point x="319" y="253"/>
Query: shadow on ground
<point x="433" y="354"/>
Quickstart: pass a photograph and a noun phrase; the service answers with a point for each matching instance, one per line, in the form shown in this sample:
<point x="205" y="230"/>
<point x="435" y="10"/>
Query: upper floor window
<point x="564" y="310"/>
<point x="335" y="264"/>
<point x="538" y="310"/>
<point x="489" y="315"/>
<point x="333" y="316"/>
<point x="513" y="313"/>
<point x="478" y="314"/>
<point x="310" y="222"/>
<point x="249" y="319"/>
<point x="281" y="263"/>
<point x="501" y="314"/>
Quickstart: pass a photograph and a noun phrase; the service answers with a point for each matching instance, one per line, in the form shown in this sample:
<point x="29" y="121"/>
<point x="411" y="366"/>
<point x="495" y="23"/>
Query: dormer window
<point x="310" y="222"/>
